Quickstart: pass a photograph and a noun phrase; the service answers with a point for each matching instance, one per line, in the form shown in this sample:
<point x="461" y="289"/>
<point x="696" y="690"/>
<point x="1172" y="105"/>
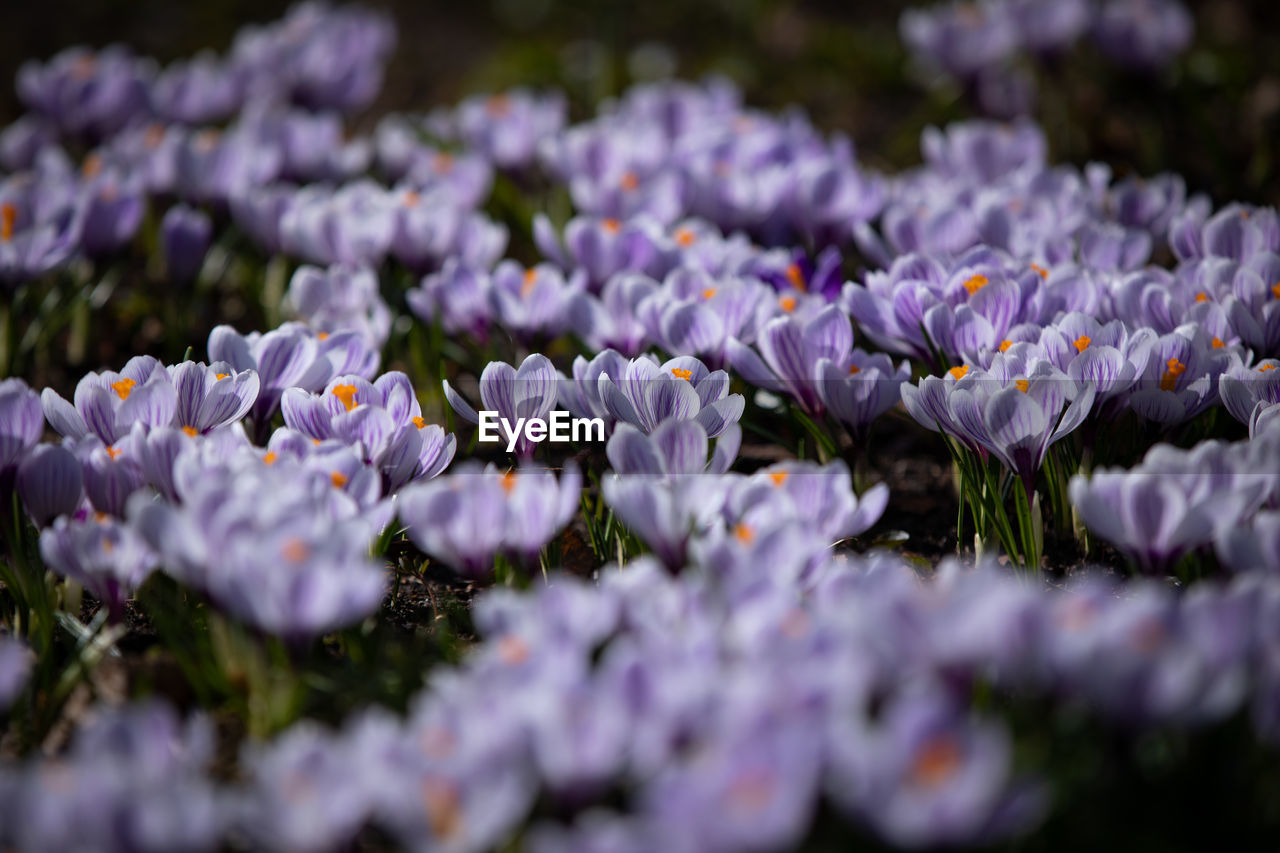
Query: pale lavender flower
<point x="1145" y="34"/>
<point x="108" y="404"/>
<point x="50" y="482"/>
<point x="15" y="666"/>
<point x="21" y="423"/>
<point x="675" y="447"/>
<point x="86" y="92"/>
<point x="104" y="555"/>
<point x="458" y="296"/>
<point x="644" y="394"/>
<point x="340" y="299"/>
<point x="527" y="392"/>
<point x="353" y="224"/>
<point x="185" y="235"/>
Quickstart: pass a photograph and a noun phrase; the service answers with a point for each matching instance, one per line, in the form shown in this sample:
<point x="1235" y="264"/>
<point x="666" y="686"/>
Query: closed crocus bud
<point x="185" y="233"/>
<point x="21" y="421"/>
<point x="50" y="483"/>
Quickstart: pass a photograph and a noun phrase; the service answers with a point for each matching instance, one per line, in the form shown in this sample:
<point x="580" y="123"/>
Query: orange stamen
<point x="611" y="226"/>
<point x="91" y="166"/>
<point x="512" y="650"/>
<point x="854" y="370"/>
<point x="411" y="198"/>
<point x="1263" y="368"/>
<point x="1202" y="297"/>
<point x="975" y="282"/>
<point x="778" y="477"/>
<point x="530" y="279"/>
<point x="419" y="422"/>
<point x="1173" y="369"/>
<point x="629" y="181"/>
<point x="123" y="387"/>
<point x="339" y="479"/>
<point x="682" y="373"/>
<point x="1217" y="343"/>
<point x="220" y="376"/>
<point x="796" y="278"/>
<point x="787" y="303"/>
<point x="708" y="293"/>
<point x="295" y="551"/>
<point x="9" y="217"/>
<point x="509" y="482"/>
<point x="1082" y="343"/>
<point x="270" y="458"/>
<point x="320" y="336"/>
<point x="936" y="762"/>
<point x="442" y="162"/>
<point x="114" y="452"/>
<point x="1023" y="384"/>
<point x="1040" y="271"/>
<point x="959" y="372"/>
<point x="744" y="534"/>
<point x="685" y="237"/>
<point x="347" y="394"/>
<point x="498" y="105"/>
<point x="1004" y="346"/>
<point x="191" y="431"/>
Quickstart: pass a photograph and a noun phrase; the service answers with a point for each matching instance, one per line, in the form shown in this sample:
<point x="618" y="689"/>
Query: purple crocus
<point x="21" y="424"/>
<point x="645" y="394"/>
<point x="612" y="320"/>
<point x="599" y="247"/>
<point x="114" y="203"/>
<point x="1253" y="305"/>
<point x="340" y="298"/>
<point x="675" y="447"/>
<point x="104" y="555"/>
<point x="1145" y="34"/>
<point x="353" y="224"/>
<point x="50" y="482"/>
<point x="524" y="393"/>
<point x="185" y="234"/>
<point x="211" y="396"/>
<point x="291" y="356"/>
<point x="458" y="297"/>
<point x="433" y="228"/>
<point x="859" y="392"/>
<point x="82" y="91"/>
<point x="108" y="404"/>
<point x="506" y="127"/>
<point x="41" y="220"/>
<point x="383" y="419"/>
<point x="532" y="301"/>
<point x="469" y="517"/>
<point x="821" y="497"/>
<point x="790" y="352"/>
<point x="665" y="512"/>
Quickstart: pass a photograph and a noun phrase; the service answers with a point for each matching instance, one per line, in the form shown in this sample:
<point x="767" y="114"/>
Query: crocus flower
<point x="40" y="224"/>
<point x="819" y="496"/>
<point x="675" y="447"/>
<point x="353" y="224"/>
<point x="1181" y="379"/>
<point x="665" y="512"/>
<point x="185" y="234"/>
<point x="210" y="166"/>
<point x="533" y="301"/>
<point x="959" y="38"/>
<point x="284" y="550"/>
<point x="1253" y="305"/>
<point x="104" y="555"/>
<point x="338" y="299"/>
<point x="108" y="404"/>
<point x="695" y="313"/>
<point x="433" y="228"/>
<point x="611" y="320"/>
<point x="458" y="296"/>
<point x="383" y="419"/>
<point x="212" y="396"/>
<point x="291" y="356"/>
<point x="508" y="126"/>
<point x="1237" y="232"/>
<point x="50" y="482"/>
<point x="645" y="394"/>
<point x="524" y="393"/>
<point x="1145" y="34"/>
<point x="134" y="778"/>
<point x="792" y="351"/>
<point x="600" y="248"/>
<point x="21" y="423"/>
<point x="87" y="92"/>
<point x="472" y="515"/>
<point x="1014" y="412"/>
<point x="201" y="90"/>
<point x="858" y="393"/>
<point x="114" y="203"/>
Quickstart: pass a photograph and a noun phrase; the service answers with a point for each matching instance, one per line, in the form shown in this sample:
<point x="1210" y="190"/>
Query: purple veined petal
<point x="911" y="401"/>
<point x="871" y="505"/>
<point x="284" y="358"/>
<point x="666" y="398"/>
<point x="716" y="417"/>
<point x="459" y="404"/>
<point x="226" y="344"/>
<point x="548" y="242"/>
<point x="158" y="453"/>
<point x="94" y="403"/>
<point x="1235" y="397"/>
<point x="1099" y="367"/>
<point x="712" y="387"/>
<point x="683" y="445"/>
<point x="306" y="413"/>
<point x="998" y="302"/>
<point x="498" y="388"/>
<point x="726" y="450"/>
<point x="142" y="368"/>
<point x="1015" y="422"/>
<point x="616" y="402"/>
<point x="965" y="416"/>
<point x="1097" y="501"/>
<point x="438" y="448"/>
<point x="189" y="383"/>
<point x="691" y="327"/>
<point x="227" y="401"/>
<point x="750" y="366"/>
<point x="153" y="404"/>
<point x="647" y="509"/>
<point x="1075" y="413"/>
<point x="782" y="346"/>
<point x="50" y="482"/>
<point x="398" y="456"/>
<point x="828" y="335"/>
<point x="62" y="416"/>
<point x="630" y="451"/>
<point x="971" y="333"/>
<point x="535" y="387"/>
<point x="398" y="397"/>
<point x="1154" y="510"/>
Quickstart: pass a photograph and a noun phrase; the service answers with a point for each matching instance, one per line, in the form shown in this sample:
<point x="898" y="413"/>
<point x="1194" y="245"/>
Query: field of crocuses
<point x="654" y="476"/>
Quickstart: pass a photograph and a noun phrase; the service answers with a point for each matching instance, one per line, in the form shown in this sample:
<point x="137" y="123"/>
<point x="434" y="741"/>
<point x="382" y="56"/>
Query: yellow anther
<point x="9" y="217"/>
<point x="744" y="534"/>
<point x="295" y="550"/>
<point x="975" y="282"/>
<point x="629" y="181"/>
<point x="1023" y="384"/>
<point x="959" y="372"/>
<point x="269" y="458"/>
<point x="1082" y="343"/>
<point x="338" y="479"/>
<point x="509" y="482"/>
<point x="778" y="477"/>
<point x="123" y="387"/>
<point x="1004" y="345"/>
<point x="796" y="278"/>
<point x="1040" y="271"/>
<point x="1173" y="369"/>
<point x="787" y="303"/>
<point x="347" y="394"/>
<point x="936" y="762"/>
<point x="685" y="237"/>
<point x="682" y="373"/>
<point x="191" y="431"/>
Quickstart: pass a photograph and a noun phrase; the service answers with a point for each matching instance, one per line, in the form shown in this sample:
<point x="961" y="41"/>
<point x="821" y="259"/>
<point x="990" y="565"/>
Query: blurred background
<point x="1212" y="115"/>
